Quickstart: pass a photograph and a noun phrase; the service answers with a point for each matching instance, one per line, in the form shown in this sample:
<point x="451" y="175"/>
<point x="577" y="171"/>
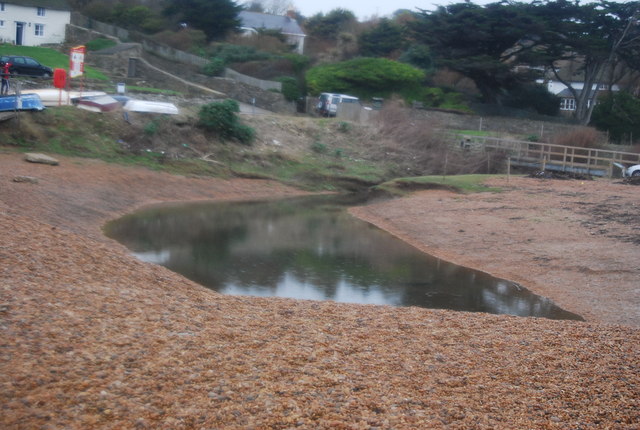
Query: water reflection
<point x="310" y="248"/>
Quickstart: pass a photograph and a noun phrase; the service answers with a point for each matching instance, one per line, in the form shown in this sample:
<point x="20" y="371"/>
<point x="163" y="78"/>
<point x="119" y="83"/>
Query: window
<point x="1" y="6"/>
<point x="41" y="11"/>
<point x="1" y="23"/>
<point x="568" y="104"/>
<point x="39" y="30"/>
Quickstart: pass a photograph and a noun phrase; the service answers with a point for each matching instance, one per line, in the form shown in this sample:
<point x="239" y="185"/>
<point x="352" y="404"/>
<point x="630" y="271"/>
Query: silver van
<point x="328" y="103"/>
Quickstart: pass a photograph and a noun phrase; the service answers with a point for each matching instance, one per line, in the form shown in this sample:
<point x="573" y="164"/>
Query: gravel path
<point x="92" y="338"/>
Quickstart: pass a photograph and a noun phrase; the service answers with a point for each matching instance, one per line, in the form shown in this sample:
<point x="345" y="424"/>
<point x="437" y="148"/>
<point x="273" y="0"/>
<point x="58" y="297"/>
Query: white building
<point x="252" y="22"/>
<point x="33" y="22"/>
<point x="567" y="101"/>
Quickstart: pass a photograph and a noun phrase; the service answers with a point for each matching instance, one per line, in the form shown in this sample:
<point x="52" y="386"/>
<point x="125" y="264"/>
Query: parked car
<point x="328" y="103"/>
<point x="27" y="66"/>
<point x="633" y="170"/>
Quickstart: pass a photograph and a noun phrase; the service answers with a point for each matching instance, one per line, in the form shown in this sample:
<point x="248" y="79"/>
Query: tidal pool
<point x="311" y="248"/>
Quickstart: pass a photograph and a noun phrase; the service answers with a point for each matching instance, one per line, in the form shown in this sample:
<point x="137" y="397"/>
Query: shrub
<point x="319" y="147"/>
<point x="618" y="114"/>
<point x="290" y="88"/>
<point x="221" y="118"/>
<point x="365" y="77"/>
<point x="418" y="56"/>
<point x="244" y="134"/>
<point x="151" y="128"/>
<point x="344" y="127"/>
<point x="439" y="98"/>
<point x="215" y="67"/>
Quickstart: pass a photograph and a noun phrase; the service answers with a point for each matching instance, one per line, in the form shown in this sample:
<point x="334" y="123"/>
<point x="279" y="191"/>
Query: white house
<point x="567" y="101"/>
<point x="33" y="22"/>
<point x="251" y="22"/>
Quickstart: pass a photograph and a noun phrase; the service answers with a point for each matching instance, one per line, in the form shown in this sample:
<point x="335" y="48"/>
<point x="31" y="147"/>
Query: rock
<point x="29" y="179"/>
<point x="40" y="158"/>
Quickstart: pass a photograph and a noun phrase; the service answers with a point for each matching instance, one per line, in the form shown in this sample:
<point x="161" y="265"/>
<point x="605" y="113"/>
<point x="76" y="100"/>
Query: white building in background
<point x="252" y="22"/>
<point x="33" y="22"/>
<point x="567" y="101"/>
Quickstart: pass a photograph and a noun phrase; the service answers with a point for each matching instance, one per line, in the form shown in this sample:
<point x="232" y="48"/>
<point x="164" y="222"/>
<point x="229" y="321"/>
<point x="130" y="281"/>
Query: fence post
<point x="446" y="158"/>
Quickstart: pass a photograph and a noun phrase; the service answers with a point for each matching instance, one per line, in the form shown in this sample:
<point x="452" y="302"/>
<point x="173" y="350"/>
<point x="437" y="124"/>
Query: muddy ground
<point x="92" y="338"/>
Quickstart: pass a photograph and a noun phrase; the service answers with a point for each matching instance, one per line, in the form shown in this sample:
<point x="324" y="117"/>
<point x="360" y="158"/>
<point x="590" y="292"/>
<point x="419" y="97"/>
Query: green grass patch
<point x="100" y="43"/>
<point x="150" y="90"/>
<point x="50" y="57"/>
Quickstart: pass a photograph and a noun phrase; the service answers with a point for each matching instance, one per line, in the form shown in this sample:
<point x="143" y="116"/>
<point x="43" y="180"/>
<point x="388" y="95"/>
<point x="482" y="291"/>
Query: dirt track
<point x="92" y="338"/>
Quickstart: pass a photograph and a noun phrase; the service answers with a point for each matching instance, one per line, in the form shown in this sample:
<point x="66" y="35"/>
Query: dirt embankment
<point x="576" y="242"/>
<point x="92" y="338"/>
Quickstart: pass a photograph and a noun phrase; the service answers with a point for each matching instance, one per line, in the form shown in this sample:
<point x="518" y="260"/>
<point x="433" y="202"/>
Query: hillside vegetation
<point x="314" y="153"/>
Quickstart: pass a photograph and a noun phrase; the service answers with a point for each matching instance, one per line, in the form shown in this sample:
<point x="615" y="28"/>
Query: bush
<point x="290" y="88"/>
<point x="440" y="98"/>
<point x="215" y="67"/>
<point x="618" y="114"/>
<point x="418" y="56"/>
<point x="244" y="134"/>
<point x="221" y="118"/>
<point x="365" y="77"/>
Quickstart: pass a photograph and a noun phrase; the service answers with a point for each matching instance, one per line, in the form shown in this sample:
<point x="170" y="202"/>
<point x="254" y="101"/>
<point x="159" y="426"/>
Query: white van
<point x="328" y="103"/>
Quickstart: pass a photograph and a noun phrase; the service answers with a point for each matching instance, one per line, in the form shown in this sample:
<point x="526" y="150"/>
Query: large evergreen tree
<point x="216" y="18"/>
<point x="478" y="42"/>
<point x="596" y="36"/>
<point x="381" y="40"/>
<point x="330" y="26"/>
<point x="484" y="43"/>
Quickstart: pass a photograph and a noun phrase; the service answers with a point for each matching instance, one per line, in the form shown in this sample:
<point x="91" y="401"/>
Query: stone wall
<point x="121" y="63"/>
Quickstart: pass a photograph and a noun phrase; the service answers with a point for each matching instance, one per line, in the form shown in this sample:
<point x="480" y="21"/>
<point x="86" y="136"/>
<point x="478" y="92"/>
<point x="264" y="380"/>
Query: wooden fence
<point x="548" y="156"/>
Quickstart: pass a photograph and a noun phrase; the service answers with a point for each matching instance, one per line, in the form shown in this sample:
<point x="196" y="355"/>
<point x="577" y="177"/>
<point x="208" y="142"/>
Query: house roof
<point x="567" y="94"/>
<point x="48" y="4"/>
<point x="257" y="20"/>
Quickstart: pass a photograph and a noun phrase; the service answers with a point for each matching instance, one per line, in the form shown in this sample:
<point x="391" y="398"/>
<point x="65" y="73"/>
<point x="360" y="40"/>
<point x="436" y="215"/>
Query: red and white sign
<point x="76" y="61"/>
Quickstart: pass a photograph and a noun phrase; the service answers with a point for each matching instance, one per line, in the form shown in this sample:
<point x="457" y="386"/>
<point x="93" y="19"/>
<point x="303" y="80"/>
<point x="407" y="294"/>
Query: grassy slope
<point x="49" y="57"/>
<point x="334" y="164"/>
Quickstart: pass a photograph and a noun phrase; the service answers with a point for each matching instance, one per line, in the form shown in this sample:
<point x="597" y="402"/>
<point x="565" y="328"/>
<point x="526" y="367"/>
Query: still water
<point x="311" y="248"/>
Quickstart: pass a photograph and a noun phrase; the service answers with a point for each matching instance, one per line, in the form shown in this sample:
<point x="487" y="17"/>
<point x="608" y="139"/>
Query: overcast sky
<point x="365" y="9"/>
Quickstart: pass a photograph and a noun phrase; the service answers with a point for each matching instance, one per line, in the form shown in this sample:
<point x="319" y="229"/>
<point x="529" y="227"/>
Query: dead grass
<point x="421" y="146"/>
<point x="582" y="137"/>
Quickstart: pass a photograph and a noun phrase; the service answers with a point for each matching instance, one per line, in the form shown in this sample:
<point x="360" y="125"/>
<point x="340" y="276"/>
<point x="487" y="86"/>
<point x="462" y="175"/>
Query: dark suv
<point x="26" y="66"/>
